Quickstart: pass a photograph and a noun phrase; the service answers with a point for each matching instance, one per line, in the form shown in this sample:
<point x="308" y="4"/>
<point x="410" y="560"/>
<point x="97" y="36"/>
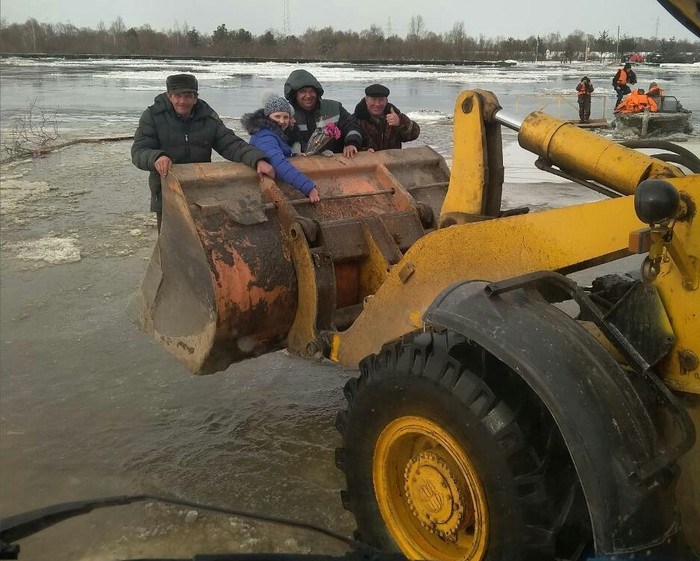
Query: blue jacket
<point x="267" y="137"/>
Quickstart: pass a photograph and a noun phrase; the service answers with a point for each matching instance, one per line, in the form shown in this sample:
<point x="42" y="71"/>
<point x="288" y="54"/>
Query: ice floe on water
<point x="49" y="249"/>
<point x="15" y="193"/>
<point x="427" y="116"/>
<point x="114" y="92"/>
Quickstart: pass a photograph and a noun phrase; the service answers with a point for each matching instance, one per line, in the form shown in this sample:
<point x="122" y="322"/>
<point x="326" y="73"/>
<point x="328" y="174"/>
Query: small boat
<point x="671" y="117"/>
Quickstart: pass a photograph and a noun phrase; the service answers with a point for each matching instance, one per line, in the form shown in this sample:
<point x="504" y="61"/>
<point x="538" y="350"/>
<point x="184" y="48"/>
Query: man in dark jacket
<point x="304" y="92"/>
<point x="623" y="76"/>
<point x="383" y="126"/>
<point x="180" y="128"/>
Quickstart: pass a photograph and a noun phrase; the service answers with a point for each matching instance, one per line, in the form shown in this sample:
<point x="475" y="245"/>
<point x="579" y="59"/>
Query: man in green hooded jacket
<point x="180" y="128"/>
<point x="305" y="93"/>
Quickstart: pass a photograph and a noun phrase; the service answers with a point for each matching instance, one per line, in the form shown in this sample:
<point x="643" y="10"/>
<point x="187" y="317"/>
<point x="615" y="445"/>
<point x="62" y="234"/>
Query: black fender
<point x="605" y="424"/>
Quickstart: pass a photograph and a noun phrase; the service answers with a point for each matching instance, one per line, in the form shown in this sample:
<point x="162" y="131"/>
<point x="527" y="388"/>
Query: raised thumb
<point x="391" y="110"/>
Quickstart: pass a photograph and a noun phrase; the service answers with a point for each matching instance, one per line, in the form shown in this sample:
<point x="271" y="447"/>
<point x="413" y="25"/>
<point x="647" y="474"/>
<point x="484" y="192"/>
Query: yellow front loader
<point x="502" y="411"/>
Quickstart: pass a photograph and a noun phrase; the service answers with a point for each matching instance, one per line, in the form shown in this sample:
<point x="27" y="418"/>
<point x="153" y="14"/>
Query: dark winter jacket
<point x="184" y="140"/>
<point x="272" y="140"/>
<point x="326" y="111"/>
<point x="378" y="135"/>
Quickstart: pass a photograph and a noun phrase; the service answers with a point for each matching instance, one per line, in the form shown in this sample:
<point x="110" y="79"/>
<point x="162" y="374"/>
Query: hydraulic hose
<point x="687" y="158"/>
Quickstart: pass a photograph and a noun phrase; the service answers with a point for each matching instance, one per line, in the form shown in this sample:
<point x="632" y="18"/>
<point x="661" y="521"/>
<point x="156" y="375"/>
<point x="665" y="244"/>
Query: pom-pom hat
<point x="275" y="104"/>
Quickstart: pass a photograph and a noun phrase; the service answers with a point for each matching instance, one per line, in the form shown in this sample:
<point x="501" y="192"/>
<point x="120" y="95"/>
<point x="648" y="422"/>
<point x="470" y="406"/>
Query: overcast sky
<point x="493" y="18"/>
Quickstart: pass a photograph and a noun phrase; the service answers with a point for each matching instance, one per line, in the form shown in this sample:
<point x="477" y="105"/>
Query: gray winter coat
<point x="184" y="140"/>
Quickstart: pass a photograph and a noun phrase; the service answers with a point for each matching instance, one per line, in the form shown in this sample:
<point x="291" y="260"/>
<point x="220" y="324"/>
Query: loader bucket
<point x="222" y="282"/>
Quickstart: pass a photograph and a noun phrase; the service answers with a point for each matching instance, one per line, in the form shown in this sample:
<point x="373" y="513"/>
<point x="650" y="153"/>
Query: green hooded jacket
<point x="326" y="111"/>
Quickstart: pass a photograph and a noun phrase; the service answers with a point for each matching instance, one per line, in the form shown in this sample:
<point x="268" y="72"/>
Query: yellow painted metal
<point x="490" y="250"/>
<point x="303" y="330"/>
<point x="681" y="368"/>
<point x="685" y="11"/>
<point x="468" y="175"/>
<point x="558" y="239"/>
<point x="429" y="493"/>
<point x="374" y="271"/>
<point x="588" y="155"/>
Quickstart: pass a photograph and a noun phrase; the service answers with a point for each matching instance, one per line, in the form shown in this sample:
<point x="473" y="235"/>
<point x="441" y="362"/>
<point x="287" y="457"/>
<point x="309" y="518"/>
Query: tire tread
<point x="441" y="358"/>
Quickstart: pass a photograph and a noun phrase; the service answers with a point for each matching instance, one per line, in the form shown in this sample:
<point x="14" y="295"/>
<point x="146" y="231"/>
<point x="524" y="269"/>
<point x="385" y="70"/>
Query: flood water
<point x="89" y="406"/>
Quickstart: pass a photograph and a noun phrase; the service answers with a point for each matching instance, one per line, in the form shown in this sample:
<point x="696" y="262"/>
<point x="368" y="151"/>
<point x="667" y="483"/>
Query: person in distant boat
<point x="636" y="102"/>
<point x="383" y="126"/>
<point x="271" y="131"/>
<point x="655" y="91"/>
<point x="180" y="128"/>
<point x="305" y="93"/>
<point x="584" y="89"/>
<point x="620" y="81"/>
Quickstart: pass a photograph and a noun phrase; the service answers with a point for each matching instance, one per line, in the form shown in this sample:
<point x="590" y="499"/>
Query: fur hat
<point x="585" y="79"/>
<point x="627" y="65"/>
<point x="181" y="83"/>
<point x="274" y="103"/>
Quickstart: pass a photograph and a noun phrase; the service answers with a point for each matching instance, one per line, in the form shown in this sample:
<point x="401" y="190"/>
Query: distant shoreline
<point x="403" y="62"/>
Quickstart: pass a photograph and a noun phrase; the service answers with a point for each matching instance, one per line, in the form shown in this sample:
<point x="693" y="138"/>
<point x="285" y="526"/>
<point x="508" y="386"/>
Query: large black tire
<point x="500" y="484"/>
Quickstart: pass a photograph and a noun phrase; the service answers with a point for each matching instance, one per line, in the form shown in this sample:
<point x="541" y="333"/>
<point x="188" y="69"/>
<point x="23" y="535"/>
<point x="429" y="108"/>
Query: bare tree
<point x="33" y="28"/>
<point x="416" y="27"/>
<point x="457" y="38"/>
<point x="32" y="132"/>
<point x="328" y="43"/>
<point x="116" y="31"/>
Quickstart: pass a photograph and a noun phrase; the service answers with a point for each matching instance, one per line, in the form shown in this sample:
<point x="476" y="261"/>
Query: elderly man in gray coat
<point x="180" y="128"/>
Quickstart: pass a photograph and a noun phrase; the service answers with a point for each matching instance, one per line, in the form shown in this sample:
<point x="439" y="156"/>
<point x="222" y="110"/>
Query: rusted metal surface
<point x="242" y="268"/>
<point x="223" y="286"/>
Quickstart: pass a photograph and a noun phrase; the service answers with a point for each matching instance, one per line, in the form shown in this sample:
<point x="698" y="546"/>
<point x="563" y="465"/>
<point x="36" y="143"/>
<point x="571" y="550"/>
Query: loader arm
<point x="562" y="240"/>
<point x="243" y="268"/>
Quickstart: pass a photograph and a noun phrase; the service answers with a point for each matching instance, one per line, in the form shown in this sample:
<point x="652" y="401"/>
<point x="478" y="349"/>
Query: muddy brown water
<point x="90" y="406"/>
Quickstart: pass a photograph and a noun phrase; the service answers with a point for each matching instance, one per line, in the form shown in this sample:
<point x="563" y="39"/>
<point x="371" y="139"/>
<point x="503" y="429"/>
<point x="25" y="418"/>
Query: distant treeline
<point x="329" y="44"/>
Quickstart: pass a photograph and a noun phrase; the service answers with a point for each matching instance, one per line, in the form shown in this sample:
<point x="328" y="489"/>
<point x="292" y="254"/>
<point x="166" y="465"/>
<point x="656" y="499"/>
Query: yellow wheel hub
<point x="429" y="493"/>
<point x="433" y="495"/>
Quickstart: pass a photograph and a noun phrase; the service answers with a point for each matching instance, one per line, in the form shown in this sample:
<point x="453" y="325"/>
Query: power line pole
<point x="286" y="28"/>
<point x="656" y="33"/>
<point x="388" y="27"/>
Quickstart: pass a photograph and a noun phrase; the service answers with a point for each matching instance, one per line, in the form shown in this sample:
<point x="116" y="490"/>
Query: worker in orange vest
<point x="655" y="91"/>
<point x="584" y="89"/>
<point x="623" y="76"/>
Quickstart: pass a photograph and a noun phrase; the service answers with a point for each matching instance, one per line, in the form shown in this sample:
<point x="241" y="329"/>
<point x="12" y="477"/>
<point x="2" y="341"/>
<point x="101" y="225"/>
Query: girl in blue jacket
<point x="269" y="130"/>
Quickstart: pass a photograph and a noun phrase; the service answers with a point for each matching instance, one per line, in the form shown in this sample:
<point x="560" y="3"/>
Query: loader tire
<point x="447" y="457"/>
